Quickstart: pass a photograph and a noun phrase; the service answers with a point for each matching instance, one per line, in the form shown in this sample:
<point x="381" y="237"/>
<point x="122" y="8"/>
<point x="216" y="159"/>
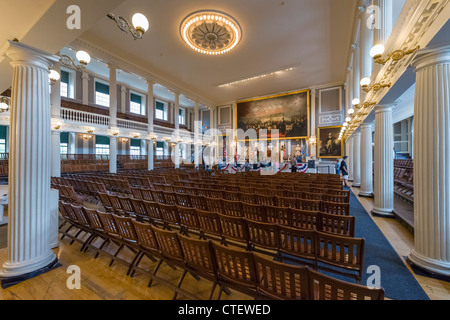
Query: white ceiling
<point x="313" y="36"/>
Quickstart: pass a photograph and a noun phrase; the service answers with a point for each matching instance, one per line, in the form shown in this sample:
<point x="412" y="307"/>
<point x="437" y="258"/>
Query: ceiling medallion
<point x="211" y="32"/>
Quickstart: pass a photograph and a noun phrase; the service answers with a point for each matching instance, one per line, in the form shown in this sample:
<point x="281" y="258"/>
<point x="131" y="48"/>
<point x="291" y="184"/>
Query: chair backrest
<point x="309" y="205"/>
<point x="343" y="252"/>
<point x="248" y="198"/>
<point x="278" y="215"/>
<point x="254" y="212"/>
<point x="63" y="211"/>
<point x="188" y="218"/>
<point x="115" y="202"/>
<point x="93" y="218"/>
<point x="198" y="202"/>
<point x="197" y="254"/>
<point x="235" y="266"/>
<point x="105" y="200"/>
<point x="287" y="202"/>
<point x="125" y="228"/>
<point x="169" y="245"/>
<point x="232" y="195"/>
<point x="69" y="210"/>
<point x="214" y="205"/>
<point x="147" y="194"/>
<point x="139" y="209"/>
<point x="209" y="222"/>
<point x="264" y="200"/>
<point x="298" y="242"/>
<point x="342" y="209"/>
<point x="81" y="217"/>
<point x="232" y="208"/>
<point x="169" y="213"/>
<point x="335" y="198"/>
<point x="263" y="234"/>
<point x="304" y="219"/>
<point x="323" y="287"/>
<point x="153" y="211"/>
<point x="146" y="236"/>
<point x="335" y="224"/>
<point x="281" y="281"/>
<point x="184" y="200"/>
<point x="170" y="198"/>
<point x="109" y="225"/>
<point x="234" y="228"/>
<point x="158" y="196"/>
<point x="126" y="205"/>
<point x="136" y="192"/>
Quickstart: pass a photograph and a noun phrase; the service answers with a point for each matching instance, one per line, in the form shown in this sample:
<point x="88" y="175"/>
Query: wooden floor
<point x="101" y="282"/>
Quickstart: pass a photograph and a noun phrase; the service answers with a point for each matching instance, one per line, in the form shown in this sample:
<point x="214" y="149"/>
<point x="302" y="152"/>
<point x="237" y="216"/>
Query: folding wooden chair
<point x="342" y="209"/>
<point x="335" y="224"/>
<point x="209" y="224"/>
<point x="278" y="215"/>
<point x="232" y="208"/>
<point x="299" y="243"/>
<point x="263" y="235"/>
<point x="254" y="212"/>
<point x="234" y="228"/>
<point x="304" y="219"/>
<point x="214" y="205"/>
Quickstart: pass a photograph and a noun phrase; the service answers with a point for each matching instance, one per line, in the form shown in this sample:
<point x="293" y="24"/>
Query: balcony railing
<point x="132" y="125"/>
<point x="84" y="117"/>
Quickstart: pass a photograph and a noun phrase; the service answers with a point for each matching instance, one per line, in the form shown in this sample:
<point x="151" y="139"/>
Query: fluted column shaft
<point x="432" y="161"/>
<point x="197" y="135"/>
<point x="356" y="159"/>
<point x="113" y="154"/>
<point x="176" y="114"/>
<point x="113" y="96"/>
<point x="29" y="163"/>
<point x="366" y="161"/>
<point x="150" y="117"/>
<point x="56" y="154"/>
<point x="350" y="158"/>
<point x="384" y="162"/>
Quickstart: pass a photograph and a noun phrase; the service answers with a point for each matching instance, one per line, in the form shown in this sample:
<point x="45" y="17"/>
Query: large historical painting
<point x="329" y="144"/>
<point x="289" y="113"/>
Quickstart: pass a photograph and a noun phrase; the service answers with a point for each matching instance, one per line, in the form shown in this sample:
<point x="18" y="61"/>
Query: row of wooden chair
<point x="226" y="267"/>
<point x="187" y="217"/>
<point x="84" y="165"/>
<point x="120" y="186"/>
<point x="238" y="200"/>
<point x="87" y="188"/>
<point x="404" y="182"/>
<point x="67" y="193"/>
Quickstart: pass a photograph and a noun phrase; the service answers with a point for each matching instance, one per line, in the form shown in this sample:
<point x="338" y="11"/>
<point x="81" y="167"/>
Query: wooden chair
<point x="344" y="253"/>
<point x="139" y="210"/>
<point x="147" y="194"/>
<point x="323" y="287"/>
<point x="214" y="205"/>
<point x="188" y="219"/>
<point x="127" y="206"/>
<point x="116" y="205"/>
<point x="158" y="196"/>
<point x="128" y="236"/>
<point x="198" y="202"/>
<point x="136" y="192"/>
<point x="309" y="205"/>
<point x="248" y="198"/>
<point x="342" y="209"/>
<point x="232" y="208"/>
<point x="264" y="235"/>
<point x="235" y="269"/>
<point x="198" y="259"/>
<point x="233" y="228"/>
<point x="169" y="214"/>
<point x="287" y="202"/>
<point x="98" y="231"/>
<point x="335" y="198"/>
<point x="111" y="230"/>
<point x="105" y="201"/>
<point x="232" y="196"/>
<point x="254" y="212"/>
<point x="209" y="224"/>
<point x="280" y="281"/>
<point x="299" y="243"/>
<point x="278" y="215"/>
<point x="335" y="224"/>
<point x="171" y="198"/>
<point x="153" y="212"/>
<point x="304" y="219"/>
<point x="183" y="199"/>
<point x="265" y="200"/>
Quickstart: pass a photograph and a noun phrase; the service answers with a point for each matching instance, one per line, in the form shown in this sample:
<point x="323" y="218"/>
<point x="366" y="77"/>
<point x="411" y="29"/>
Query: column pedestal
<point x="431" y="251"/>
<point x="29" y="251"/>
<point x="384" y="163"/>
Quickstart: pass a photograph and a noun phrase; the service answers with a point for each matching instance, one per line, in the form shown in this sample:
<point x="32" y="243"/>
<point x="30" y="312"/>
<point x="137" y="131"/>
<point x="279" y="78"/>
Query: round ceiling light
<point x="211" y="32"/>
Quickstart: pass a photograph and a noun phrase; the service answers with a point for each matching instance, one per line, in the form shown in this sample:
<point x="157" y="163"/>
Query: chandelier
<point x="211" y="32"/>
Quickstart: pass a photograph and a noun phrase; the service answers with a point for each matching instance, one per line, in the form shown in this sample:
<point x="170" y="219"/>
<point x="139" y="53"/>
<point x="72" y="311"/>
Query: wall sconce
<point x="136" y="135"/>
<point x="365" y="83"/>
<point x="86" y="137"/>
<point x="377" y="87"/>
<point x="179" y="140"/>
<point x="153" y="137"/>
<point x="378" y="51"/>
<point x="91" y="130"/>
<point x="124" y="140"/>
<point x="115" y="133"/>
<point x="54" y="76"/>
<point x="313" y="141"/>
<point x="58" y="126"/>
<point x="167" y="139"/>
<point x="138" y="27"/>
<point x="82" y="56"/>
<point x="5" y="102"/>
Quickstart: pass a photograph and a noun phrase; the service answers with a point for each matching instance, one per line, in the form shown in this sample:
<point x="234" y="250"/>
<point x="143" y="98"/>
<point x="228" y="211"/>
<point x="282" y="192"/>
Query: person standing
<point x="338" y="167"/>
<point x="294" y="164"/>
<point x="344" y="171"/>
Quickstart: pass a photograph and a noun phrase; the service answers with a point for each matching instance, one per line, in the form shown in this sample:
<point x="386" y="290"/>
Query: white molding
<point x="340" y="100"/>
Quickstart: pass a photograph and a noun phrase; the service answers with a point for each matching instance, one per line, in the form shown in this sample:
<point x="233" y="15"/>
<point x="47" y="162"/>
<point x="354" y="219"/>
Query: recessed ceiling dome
<point x="211" y="32"/>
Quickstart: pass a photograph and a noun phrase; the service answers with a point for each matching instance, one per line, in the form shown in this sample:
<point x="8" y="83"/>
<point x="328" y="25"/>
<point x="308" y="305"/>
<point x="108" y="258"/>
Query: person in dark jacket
<point x="344" y="172"/>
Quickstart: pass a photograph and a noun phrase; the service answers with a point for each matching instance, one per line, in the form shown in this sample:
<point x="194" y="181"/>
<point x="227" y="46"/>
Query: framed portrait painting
<point x="288" y="113"/>
<point x="329" y="145"/>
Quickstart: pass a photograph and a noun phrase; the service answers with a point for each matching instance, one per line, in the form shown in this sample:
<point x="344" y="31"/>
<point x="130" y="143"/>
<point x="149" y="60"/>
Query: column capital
<point x="366" y="126"/>
<point x="150" y="82"/>
<point x="21" y="53"/>
<point x="384" y="107"/>
<point x="111" y="66"/>
<point x="431" y="56"/>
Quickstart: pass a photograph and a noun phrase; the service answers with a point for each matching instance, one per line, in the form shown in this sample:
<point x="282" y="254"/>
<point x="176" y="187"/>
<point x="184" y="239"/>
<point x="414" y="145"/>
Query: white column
<point x="112" y="96"/>
<point x="350" y="158"/>
<point x="85" y="86"/>
<point x="29" y="251"/>
<point x="176" y="115"/>
<point x="313" y="113"/>
<point x="366" y="161"/>
<point x="123" y="98"/>
<point x="431" y="161"/>
<point x="150" y="117"/>
<point x="113" y="154"/>
<point x="72" y="143"/>
<point x="384" y="162"/>
<point x="55" y="94"/>
<point x="365" y="44"/>
<point x="383" y="26"/>
<point x="197" y="135"/>
<point x="56" y="154"/>
<point x="356" y="72"/>
<point x="356" y="159"/>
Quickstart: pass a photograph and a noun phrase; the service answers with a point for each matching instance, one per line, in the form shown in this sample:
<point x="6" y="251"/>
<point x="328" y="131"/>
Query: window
<point x="161" y="111"/>
<point x="2" y="145"/>
<point x="135" y="151"/>
<point x="181" y="116"/>
<point x="160" y="149"/>
<point x="102" y="149"/>
<point x="136" y="104"/>
<point x="64" y="147"/>
<point x="102" y="94"/>
<point x="65" y="89"/>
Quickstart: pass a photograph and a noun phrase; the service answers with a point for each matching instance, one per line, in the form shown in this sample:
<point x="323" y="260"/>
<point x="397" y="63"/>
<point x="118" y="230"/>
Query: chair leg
<point x="196" y="277"/>
<point x="101" y="247"/>
<point x="115" y="254"/>
<point x="91" y="237"/>
<point x="212" y="291"/>
<point x="133" y="271"/>
<point x="154" y="272"/>
<point x="220" y="293"/>
<point x="179" y="284"/>
<point x="66" y="232"/>
<point x="133" y="262"/>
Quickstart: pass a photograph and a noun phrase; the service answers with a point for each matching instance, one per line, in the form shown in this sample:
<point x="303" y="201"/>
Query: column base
<point x="365" y="194"/>
<point x="7" y="282"/>
<point x="356" y="185"/>
<point x="433" y="268"/>
<point x="383" y="213"/>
